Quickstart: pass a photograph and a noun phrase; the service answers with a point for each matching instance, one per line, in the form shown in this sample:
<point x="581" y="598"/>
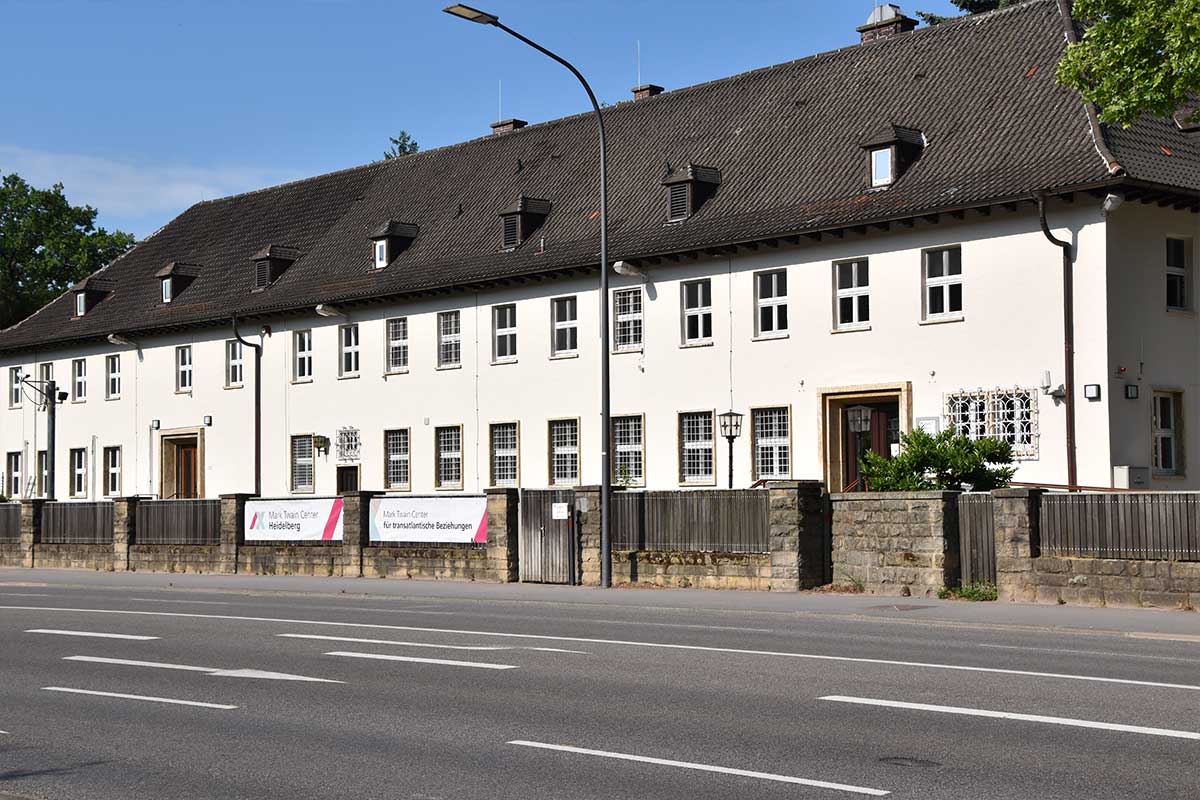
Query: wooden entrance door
<point x="882" y="433"/>
<point x="347" y="479"/>
<point x="187" y="482"/>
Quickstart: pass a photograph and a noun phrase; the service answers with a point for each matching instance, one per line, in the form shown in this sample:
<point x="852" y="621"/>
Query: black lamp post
<point x="53" y="398"/>
<point x="731" y="428"/>
<point x="484" y="18"/>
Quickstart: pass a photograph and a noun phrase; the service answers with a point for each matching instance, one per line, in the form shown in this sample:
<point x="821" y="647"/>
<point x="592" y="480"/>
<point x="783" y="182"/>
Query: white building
<point x="859" y="229"/>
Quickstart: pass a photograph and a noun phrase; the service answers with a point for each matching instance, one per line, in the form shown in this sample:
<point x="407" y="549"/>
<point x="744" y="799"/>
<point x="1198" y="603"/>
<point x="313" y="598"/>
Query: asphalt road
<point x="251" y="687"/>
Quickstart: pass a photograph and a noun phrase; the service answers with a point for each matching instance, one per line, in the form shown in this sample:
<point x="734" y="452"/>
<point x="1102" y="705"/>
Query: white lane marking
<point x="25" y="594"/>
<point x="188" y="602"/>
<point x="214" y="671"/>
<point x="442" y="661"/>
<point x="132" y="663"/>
<point x="979" y="712"/>
<point x="93" y="634"/>
<point x="4" y="733"/>
<point x="659" y="645"/>
<point x="389" y="641"/>
<point x="555" y="650"/>
<point x="1088" y="652"/>
<point x="145" y="697"/>
<point x="665" y="762"/>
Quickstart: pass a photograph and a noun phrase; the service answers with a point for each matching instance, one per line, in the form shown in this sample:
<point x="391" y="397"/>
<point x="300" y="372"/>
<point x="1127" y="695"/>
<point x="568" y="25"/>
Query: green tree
<point x="967" y="7"/>
<point x="945" y="461"/>
<point x="46" y="244"/>
<point x="402" y="145"/>
<point x="1135" y="57"/>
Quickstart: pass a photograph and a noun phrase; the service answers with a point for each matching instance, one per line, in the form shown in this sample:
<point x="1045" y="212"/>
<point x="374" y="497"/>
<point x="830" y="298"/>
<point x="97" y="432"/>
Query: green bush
<point x="945" y="461"/>
<point x="972" y="591"/>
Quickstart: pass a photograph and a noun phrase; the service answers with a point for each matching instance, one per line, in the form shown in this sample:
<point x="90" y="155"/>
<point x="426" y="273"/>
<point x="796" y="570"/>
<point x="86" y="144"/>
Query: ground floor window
<point x="112" y="471"/>
<point x="448" y="441"/>
<point x="43" y="473"/>
<point x="564" y="452"/>
<point x="396" y="459"/>
<point x="504" y="454"/>
<point x="771" y="441"/>
<point x="79" y="472"/>
<point x="302" y="464"/>
<point x="628" y="441"/>
<point x="696" y="447"/>
<point x="12" y="464"/>
<point x="1168" y="445"/>
<point x="1010" y="415"/>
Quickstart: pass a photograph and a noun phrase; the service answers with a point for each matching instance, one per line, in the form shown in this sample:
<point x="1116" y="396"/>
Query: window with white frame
<point x="771" y="440"/>
<point x="303" y="472"/>
<point x="628" y="451"/>
<point x="43" y="473"/>
<point x="397" y="344"/>
<point x="697" y="311"/>
<point x="1010" y="415"/>
<point x="1168" y="444"/>
<point x="853" y="280"/>
<point x="504" y="332"/>
<point x="166" y="290"/>
<point x="79" y="380"/>
<point x="696" y="447"/>
<point x="505" y="453"/>
<point x="943" y="283"/>
<point x="564" y="452"/>
<point x="79" y="472"/>
<point x="112" y="377"/>
<point x="46" y="374"/>
<point x="183" y="368"/>
<point x="14" y="387"/>
<point x="881" y="166"/>
<point x="1179" y="284"/>
<point x="12" y="466"/>
<point x="627" y="319"/>
<point x="771" y="301"/>
<point x="565" y="322"/>
<point x="381" y="254"/>
<point x="449" y="338"/>
<point x="396" y="459"/>
<point x="348" y="351"/>
<point x="449" y="457"/>
<point x="235" y="365"/>
<point x="80" y="303"/>
<point x="112" y="471"/>
<point x="302" y="358"/>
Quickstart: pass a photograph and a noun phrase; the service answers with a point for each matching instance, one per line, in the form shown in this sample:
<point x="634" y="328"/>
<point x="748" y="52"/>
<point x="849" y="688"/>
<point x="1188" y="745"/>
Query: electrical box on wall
<point x="1126" y="477"/>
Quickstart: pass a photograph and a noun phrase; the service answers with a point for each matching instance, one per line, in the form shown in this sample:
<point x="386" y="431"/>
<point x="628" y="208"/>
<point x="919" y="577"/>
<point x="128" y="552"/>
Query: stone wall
<point x="692" y="570"/>
<point x="11" y="554"/>
<point x="460" y="563"/>
<point x="73" y="556"/>
<point x="1117" y="582"/>
<point x="175" y="558"/>
<point x="895" y="543"/>
<point x="295" y="559"/>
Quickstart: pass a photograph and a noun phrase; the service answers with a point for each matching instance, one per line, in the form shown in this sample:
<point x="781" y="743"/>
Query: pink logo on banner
<point x="481" y="531"/>
<point x="254" y="520"/>
<point x="335" y="514"/>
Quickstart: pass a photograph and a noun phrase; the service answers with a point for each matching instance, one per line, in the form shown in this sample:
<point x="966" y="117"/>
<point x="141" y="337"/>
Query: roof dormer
<point x="688" y="188"/>
<point x="271" y="262"/>
<point x="87" y="293"/>
<point x="390" y="240"/>
<point x="175" y="277"/>
<point x="891" y="150"/>
<point x="521" y="219"/>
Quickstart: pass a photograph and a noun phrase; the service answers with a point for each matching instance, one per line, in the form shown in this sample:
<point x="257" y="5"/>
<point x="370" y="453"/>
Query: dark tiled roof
<point x="786" y="140"/>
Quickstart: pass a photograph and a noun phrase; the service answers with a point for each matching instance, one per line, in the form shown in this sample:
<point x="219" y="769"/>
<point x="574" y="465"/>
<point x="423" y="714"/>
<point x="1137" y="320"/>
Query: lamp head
<point x="471" y="14"/>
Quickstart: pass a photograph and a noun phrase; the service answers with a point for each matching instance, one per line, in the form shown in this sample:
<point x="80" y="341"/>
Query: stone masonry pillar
<point x="503" y="521"/>
<point x="356" y="531"/>
<point x="588" y="533"/>
<point x="233" y="531"/>
<point x="1015" y="517"/>
<point x="798" y="538"/>
<point x="124" y="530"/>
<point x="31" y="529"/>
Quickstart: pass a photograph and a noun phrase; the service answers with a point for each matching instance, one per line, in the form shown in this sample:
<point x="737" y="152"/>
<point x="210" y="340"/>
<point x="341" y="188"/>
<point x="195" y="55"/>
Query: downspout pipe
<point x="1068" y="282"/>
<point x="257" y="406"/>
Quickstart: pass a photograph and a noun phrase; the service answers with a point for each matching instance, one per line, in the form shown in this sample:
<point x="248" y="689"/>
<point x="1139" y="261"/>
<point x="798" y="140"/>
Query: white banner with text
<point x="315" y="520"/>
<point x="450" y="518"/>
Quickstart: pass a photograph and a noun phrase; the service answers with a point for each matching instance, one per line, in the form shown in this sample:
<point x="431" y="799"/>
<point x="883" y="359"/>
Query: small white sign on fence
<point x="559" y="511"/>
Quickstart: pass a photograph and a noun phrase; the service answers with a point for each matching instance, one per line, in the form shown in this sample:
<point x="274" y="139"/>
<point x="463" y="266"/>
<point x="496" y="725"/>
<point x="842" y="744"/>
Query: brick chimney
<point x="885" y="21"/>
<point x="507" y="125"/>
<point x="646" y="90"/>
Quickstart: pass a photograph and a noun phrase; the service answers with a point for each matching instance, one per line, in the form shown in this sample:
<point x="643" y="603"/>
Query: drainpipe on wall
<point x="257" y="406"/>
<point x="1068" y="339"/>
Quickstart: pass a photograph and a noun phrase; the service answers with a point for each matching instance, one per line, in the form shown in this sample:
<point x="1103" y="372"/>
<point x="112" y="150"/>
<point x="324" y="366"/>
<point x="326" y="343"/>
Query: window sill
<point x="851" y="329"/>
<point x="942" y="320"/>
<point x="560" y="356"/>
<point x="237" y="386"/>
<point x="81" y="400"/>
<point x="188" y="392"/>
<point x="458" y="488"/>
<point x="395" y="372"/>
<point x="397" y="489"/>
<point x="699" y="484"/>
<point x="1185" y="313"/>
<point x="769" y="337"/>
<point x="703" y="343"/>
<point x="625" y="350"/>
<point x="348" y="377"/>
<point x="296" y="381"/>
<point x="117" y="397"/>
<point x="449" y="367"/>
<point x="502" y="361"/>
<point x="1168" y="476"/>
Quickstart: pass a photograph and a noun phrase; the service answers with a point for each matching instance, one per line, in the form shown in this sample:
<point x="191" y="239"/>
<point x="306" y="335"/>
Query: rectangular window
<point x="449" y="339"/>
<point x="505" y="454"/>
<point x="565" y="322"/>
<point x="183" y="368"/>
<point x="235" y="371"/>
<point x="771" y="303"/>
<point x="448" y="443"/>
<point x="881" y="166"/>
<point x="697" y="312"/>
<point x="78" y="472"/>
<point x="112" y="471"/>
<point x="12" y="466"/>
<point x="166" y="290"/>
<point x="696" y="447"/>
<point x="852" y="279"/>
<point x="628" y="451"/>
<point x="627" y="319"/>
<point x="943" y="283"/>
<point x="564" y="452"/>
<point x="1179" y="284"/>
<point x="1010" y="415"/>
<point x="348" y="351"/>
<point x="80" y="304"/>
<point x="504" y="333"/>
<point x="43" y="473"/>
<point x="46" y="374"/>
<point x="14" y="387"/>
<point x="302" y="349"/>
<point x="303" y="465"/>
<point x="381" y="254"/>
<point x="396" y="459"/>
<point x="771" y="442"/>
<point x="79" y="380"/>
<point x="397" y="345"/>
<point x="112" y="377"/>
<point x="1168" y="444"/>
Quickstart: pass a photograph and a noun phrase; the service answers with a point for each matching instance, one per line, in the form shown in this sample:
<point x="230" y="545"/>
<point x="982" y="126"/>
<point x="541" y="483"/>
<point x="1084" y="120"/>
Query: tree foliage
<point x="402" y="145"/>
<point x="46" y="244"/>
<point x="945" y="461"/>
<point x="1135" y="57"/>
<point x="967" y="7"/>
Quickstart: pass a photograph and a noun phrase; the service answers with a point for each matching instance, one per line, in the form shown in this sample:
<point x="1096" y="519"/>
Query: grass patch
<point x="972" y="591"/>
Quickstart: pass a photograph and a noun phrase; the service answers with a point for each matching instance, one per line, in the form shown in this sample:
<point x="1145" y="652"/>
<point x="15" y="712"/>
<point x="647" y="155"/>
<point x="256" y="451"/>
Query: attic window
<point x="688" y="188"/>
<point x="80" y="303"/>
<point x="176" y="276"/>
<point x="262" y="274"/>
<point x="677" y="202"/>
<point x="521" y="219"/>
<point x="891" y="150"/>
<point x="166" y="290"/>
<point x="88" y="292"/>
<point x="512" y="232"/>
<point x="381" y="259"/>
<point x="271" y="262"/>
<point x="881" y="166"/>
<point x="389" y="240"/>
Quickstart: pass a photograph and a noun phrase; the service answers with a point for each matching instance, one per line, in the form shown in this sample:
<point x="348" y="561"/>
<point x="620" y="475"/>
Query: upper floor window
<point x="1179" y="268"/>
<point x="771" y="300"/>
<point x="564" y="452"/>
<point x="449" y="457"/>
<point x="112" y="377"/>
<point x="696" y="463"/>
<point x="449" y="339"/>
<point x="504" y="332"/>
<point x="112" y="471"/>
<point x="943" y="283"/>
<point x="627" y="319"/>
<point x="302" y="358"/>
<point x="348" y="351"/>
<point x="396" y="459"/>
<point x="235" y="372"/>
<point x="565" y="322"/>
<point x="881" y="166"/>
<point x="303" y="477"/>
<point x="629" y="455"/>
<point x="852" y="279"/>
<point x="505" y="454"/>
<point x="79" y="380"/>
<point x="1168" y="447"/>
<point x="46" y="374"/>
<point x="397" y="344"/>
<point x="771" y="443"/>
<point x="183" y="368"/>
<point x="697" y="312"/>
<point x="14" y="387"/>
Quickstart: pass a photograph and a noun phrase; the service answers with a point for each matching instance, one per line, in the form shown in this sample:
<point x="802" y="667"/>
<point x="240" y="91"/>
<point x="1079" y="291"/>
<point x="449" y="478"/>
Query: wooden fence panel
<point x="10" y="522"/>
<point x="178" y="522"/>
<point x="77" y="523"/>
<point x="1162" y="526"/>
<point x="728" y="521"/>
<point x="976" y="538"/>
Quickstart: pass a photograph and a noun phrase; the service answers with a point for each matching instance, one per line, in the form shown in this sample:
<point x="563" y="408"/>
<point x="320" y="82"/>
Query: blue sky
<point x="143" y="107"/>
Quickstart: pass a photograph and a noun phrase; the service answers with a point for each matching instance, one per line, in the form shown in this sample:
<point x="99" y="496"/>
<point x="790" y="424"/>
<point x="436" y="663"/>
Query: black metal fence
<point x="10" y="522"/>
<point x="77" y="523"/>
<point x="1144" y="525"/>
<point x="728" y="521"/>
<point x="976" y="538"/>
<point x="178" y="522"/>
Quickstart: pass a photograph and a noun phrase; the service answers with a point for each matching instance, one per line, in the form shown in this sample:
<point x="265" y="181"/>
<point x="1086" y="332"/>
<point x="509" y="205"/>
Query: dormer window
<point x="80" y="303"/>
<point x="521" y="219"/>
<point x="688" y="188"/>
<point x="679" y="205"/>
<point x="389" y="240"/>
<point x="381" y="259"/>
<point x="881" y="166"/>
<point x="891" y="150"/>
<point x="176" y="276"/>
<point x="88" y="292"/>
<point x="271" y="262"/>
<point x="166" y="290"/>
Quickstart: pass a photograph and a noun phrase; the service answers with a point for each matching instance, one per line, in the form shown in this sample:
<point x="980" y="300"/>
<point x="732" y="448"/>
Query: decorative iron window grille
<point x="348" y="444"/>
<point x="772" y="443"/>
<point x="397" y="467"/>
<point x="1010" y="415"/>
<point x="448" y="441"/>
<point x="696" y="447"/>
<point x="564" y="452"/>
<point x="627" y="451"/>
<point x="504" y="454"/>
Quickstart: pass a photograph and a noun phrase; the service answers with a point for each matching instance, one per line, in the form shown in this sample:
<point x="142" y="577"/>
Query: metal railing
<point x="77" y="523"/>
<point x="721" y="520"/>
<point x="1145" y="525"/>
<point x="10" y="522"/>
<point x="976" y="538"/>
<point x="178" y="522"/>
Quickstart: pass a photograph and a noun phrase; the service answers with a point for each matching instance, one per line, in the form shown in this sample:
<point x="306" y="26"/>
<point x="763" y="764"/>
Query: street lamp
<point x="484" y="18"/>
<point x="53" y="398"/>
<point x="731" y="428"/>
<point x="859" y="419"/>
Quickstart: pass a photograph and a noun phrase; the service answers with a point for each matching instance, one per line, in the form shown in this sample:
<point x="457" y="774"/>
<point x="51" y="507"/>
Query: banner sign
<point x="316" y="520"/>
<point x="429" y="519"/>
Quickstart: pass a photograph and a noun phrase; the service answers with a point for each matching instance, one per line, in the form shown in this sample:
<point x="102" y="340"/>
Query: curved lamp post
<point x="484" y="18"/>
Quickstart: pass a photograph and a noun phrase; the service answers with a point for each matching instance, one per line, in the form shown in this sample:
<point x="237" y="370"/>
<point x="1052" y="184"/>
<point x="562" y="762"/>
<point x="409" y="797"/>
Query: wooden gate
<point x="976" y="538"/>
<point x="548" y="541"/>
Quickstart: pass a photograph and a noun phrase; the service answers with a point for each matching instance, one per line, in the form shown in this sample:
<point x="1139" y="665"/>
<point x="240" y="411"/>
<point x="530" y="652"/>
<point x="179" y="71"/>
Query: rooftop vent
<point x="521" y="219"/>
<point x="271" y="262"/>
<point x="885" y="21"/>
<point x="507" y="126"/>
<point x="688" y="188"/>
<point x="390" y="240"/>
<point x="646" y="90"/>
